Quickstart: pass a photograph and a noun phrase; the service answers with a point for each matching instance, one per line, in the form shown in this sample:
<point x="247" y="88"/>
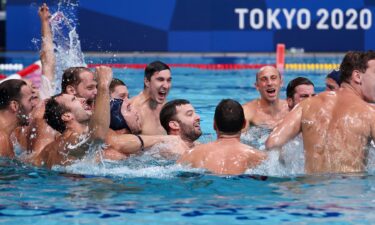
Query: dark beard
<point x="23" y="119"/>
<point x="189" y="134"/>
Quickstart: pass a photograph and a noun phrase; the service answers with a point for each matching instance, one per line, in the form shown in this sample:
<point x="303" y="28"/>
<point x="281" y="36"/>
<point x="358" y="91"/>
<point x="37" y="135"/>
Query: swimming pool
<point x="149" y="191"/>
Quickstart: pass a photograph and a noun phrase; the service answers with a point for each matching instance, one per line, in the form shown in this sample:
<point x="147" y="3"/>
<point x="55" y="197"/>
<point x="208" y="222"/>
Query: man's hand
<point x="44" y="13"/>
<point x="103" y="76"/>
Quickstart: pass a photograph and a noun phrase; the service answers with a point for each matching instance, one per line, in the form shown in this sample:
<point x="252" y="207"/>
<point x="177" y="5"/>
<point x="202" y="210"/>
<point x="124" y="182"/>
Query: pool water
<point x="146" y="190"/>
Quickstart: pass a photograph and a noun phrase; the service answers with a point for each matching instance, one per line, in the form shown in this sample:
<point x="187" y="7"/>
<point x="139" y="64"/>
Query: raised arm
<point x="289" y="127"/>
<point x="47" y="55"/>
<point x="99" y="122"/>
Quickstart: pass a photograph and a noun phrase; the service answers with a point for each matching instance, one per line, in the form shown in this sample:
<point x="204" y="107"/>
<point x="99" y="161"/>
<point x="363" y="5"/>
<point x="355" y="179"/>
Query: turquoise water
<point x="146" y="190"/>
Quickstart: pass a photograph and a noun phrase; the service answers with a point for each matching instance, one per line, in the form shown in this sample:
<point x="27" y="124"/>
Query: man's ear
<point x="67" y="116"/>
<point x="147" y="82"/>
<point x="357" y="77"/>
<point x="14" y="106"/>
<point x="71" y="90"/>
<point x="256" y="85"/>
<point x="174" y="125"/>
<point x="290" y="102"/>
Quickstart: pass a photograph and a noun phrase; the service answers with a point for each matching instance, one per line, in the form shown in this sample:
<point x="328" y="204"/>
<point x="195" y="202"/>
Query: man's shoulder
<point x="250" y="104"/>
<point x="138" y="99"/>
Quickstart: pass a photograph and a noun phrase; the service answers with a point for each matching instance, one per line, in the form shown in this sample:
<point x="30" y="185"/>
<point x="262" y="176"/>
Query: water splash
<point x="67" y="44"/>
<point x="288" y="161"/>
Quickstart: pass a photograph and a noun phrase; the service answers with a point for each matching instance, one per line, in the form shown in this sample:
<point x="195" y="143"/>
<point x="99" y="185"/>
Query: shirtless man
<point x="226" y="155"/>
<point x="297" y="90"/>
<point x="336" y="126"/>
<point x="16" y="103"/>
<point x="79" y="125"/>
<point x="269" y="109"/>
<point x="78" y="81"/>
<point x="26" y="135"/>
<point x="178" y="117"/>
<point x="157" y="83"/>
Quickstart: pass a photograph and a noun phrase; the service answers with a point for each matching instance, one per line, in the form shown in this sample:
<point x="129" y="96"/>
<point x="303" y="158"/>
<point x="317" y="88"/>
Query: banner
<point x="205" y="25"/>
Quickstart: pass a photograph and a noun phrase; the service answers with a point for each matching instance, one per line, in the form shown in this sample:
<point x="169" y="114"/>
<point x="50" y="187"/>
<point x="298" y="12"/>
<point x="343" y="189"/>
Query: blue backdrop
<point x="203" y="25"/>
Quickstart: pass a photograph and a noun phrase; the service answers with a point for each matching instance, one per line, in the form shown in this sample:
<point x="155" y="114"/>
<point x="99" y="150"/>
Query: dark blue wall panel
<point x="201" y="25"/>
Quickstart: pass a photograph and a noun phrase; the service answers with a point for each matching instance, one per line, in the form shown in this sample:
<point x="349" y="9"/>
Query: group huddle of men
<point x="94" y="109"/>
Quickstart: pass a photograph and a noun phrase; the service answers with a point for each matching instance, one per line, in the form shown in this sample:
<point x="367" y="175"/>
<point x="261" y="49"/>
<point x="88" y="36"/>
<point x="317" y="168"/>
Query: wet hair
<point x="169" y="111"/>
<point x="291" y="88"/>
<point x="229" y="116"/>
<point x="54" y="112"/>
<point x="10" y="90"/>
<point x="154" y="67"/>
<point x="355" y="60"/>
<point x="71" y="76"/>
<point x="114" y="83"/>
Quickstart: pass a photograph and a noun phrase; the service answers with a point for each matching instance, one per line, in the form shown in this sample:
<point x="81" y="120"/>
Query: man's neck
<point x="189" y="143"/>
<point x="352" y="88"/>
<point x="226" y="136"/>
<point x="152" y="104"/>
<point x="8" y="121"/>
<point x="78" y="128"/>
<point x="269" y="107"/>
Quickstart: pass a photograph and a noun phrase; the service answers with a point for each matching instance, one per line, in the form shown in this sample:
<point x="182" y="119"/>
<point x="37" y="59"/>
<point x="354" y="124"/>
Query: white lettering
<point x="253" y="22"/>
<point x="303" y="13"/>
<point x="352" y="14"/>
<point x="365" y="23"/>
<point x="272" y="18"/>
<point x="321" y="25"/>
<point x="241" y="17"/>
<point x="337" y="19"/>
<point x="289" y="17"/>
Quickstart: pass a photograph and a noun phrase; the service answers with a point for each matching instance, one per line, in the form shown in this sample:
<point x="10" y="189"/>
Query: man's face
<point x="120" y="92"/>
<point x="87" y="87"/>
<point x="76" y="106"/>
<point x="331" y="84"/>
<point x="159" y="85"/>
<point x="189" y="122"/>
<point x="34" y="90"/>
<point x="368" y="82"/>
<point x="131" y="117"/>
<point x="26" y="105"/>
<point x="268" y="83"/>
<point x="302" y="92"/>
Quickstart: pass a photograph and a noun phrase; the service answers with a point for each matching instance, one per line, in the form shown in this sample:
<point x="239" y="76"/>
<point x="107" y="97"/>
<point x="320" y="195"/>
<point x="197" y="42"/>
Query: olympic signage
<point x="337" y="19"/>
<point x="205" y="25"/>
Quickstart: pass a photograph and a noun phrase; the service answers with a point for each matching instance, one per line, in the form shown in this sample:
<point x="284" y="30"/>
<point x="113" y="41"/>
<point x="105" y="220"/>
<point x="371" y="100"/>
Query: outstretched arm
<point x="289" y="127"/>
<point x="47" y="55"/>
<point x="130" y="143"/>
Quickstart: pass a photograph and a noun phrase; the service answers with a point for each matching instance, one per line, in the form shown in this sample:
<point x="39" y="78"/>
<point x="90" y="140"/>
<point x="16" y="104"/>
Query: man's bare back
<point x="336" y="127"/>
<point x="224" y="156"/>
